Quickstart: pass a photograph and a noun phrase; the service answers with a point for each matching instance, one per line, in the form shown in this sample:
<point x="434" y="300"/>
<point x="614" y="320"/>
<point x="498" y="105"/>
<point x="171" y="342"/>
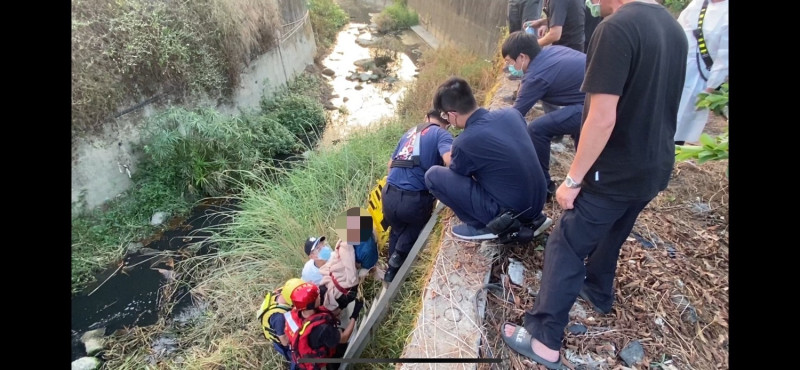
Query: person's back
<point x="569" y="14"/>
<point x="560" y="69"/>
<point x="650" y="50"/>
<point x="433" y="141"/>
<point x="407" y="203"/>
<point x="496" y="150"/>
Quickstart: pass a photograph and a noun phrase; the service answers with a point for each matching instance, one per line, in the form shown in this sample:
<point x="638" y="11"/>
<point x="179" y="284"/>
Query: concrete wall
<point x="471" y="24"/>
<point x="100" y="164"/>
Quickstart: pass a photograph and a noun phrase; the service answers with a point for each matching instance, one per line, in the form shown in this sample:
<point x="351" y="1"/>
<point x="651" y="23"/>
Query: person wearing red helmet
<point x="313" y="330"/>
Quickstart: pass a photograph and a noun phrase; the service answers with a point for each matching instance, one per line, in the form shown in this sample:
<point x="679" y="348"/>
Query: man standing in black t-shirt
<point x="635" y="69"/>
<point x="563" y="25"/>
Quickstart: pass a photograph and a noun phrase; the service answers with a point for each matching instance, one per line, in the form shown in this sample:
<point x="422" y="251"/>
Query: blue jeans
<point x="563" y="121"/>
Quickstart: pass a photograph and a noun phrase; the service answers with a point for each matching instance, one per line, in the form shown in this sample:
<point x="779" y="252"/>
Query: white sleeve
<point x="719" y="70"/>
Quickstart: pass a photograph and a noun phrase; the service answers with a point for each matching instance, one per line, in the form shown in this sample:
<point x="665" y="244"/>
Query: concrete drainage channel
<point x="448" y="329"/>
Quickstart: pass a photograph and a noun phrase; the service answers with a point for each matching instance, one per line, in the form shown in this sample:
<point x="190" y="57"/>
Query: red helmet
<point x="304" y="296"/>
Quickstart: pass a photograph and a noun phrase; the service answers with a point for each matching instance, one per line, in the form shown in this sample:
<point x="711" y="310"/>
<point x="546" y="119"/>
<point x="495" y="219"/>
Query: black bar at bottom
<point x="399" y="360"/>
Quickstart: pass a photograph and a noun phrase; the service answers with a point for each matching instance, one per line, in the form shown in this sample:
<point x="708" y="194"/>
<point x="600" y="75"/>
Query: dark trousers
<point x="520" y="11"/>
<point x="563" y="121"/>
<point x="407" y="213"/>
<point x="465" y="196"/>
<point x="596" y="227"/>
<point x="287" y="354"/>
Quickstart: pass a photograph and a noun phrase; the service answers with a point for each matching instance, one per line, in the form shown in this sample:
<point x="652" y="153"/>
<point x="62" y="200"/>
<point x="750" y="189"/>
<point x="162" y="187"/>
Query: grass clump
<point x="396" y="16"/>
<point x="327" y="19"/>
<point x="261" y="248"/>
<point x="190" y="154"/>
<point x="102" y="235"/>
<point x="122" y="51"/>
<point x="392" y="335"/>
<point x="436" y="67"/>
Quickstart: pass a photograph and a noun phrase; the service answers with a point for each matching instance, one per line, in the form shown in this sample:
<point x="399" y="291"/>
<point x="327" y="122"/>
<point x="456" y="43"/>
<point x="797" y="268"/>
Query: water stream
<point x="130" y="293"/>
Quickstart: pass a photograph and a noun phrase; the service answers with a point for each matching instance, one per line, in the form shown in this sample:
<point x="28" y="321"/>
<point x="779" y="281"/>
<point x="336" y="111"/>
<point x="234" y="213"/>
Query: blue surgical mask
<point x="594" y="9"/>
<point x="515" y="72"/>
<point x="325" y="253"/>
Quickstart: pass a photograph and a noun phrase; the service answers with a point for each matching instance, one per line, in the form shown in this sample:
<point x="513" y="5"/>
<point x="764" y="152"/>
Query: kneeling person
<point x="493" y="170"/>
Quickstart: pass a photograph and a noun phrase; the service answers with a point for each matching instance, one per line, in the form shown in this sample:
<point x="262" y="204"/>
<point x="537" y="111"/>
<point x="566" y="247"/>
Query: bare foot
<point x="537" y="347"/>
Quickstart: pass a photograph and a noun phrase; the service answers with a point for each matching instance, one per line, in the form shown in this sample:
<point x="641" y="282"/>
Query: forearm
<point x="348" y="330"/>
<point x="552" y="35"/>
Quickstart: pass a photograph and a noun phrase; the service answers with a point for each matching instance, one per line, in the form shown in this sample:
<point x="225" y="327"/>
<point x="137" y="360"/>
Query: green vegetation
<point x="261" y="249"/>
<point x="396" y="17"/>
<point x="190" y="154"/>
<point x="675" y="6"/>
<point x="716" y="101"/>
<point x="327" y="18"/>
<point x="437" y="66"/>
<point x="125" y="50"/>
<point x="712" y="149"/>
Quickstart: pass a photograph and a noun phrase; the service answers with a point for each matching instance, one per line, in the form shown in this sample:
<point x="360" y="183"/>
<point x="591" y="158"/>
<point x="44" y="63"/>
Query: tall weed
<point x="327" y="18"/>
<point x="475" y="70"/>
<point x="396" y="17"/>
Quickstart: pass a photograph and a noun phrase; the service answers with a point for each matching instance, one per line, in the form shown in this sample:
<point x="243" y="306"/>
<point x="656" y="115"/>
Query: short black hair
<point x="435" y="114"/>
<point x="520" y="42"/>
<point x="454" y="95"/>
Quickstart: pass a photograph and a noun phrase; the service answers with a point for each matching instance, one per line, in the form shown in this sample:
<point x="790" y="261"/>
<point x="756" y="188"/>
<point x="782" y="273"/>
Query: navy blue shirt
<point x="496" y="150"/>
<point x="434" y="143"/>
<point x="555" y="76"/>
<point x="278" y="323"/>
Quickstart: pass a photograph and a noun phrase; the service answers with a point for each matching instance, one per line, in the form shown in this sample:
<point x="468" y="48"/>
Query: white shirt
<point x="311" y="273"/>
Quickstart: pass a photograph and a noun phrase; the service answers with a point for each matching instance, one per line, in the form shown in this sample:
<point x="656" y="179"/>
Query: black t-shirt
<point x="569" y="15"/>
<point x="639" y="54"/>
<point x="589" y="24"/>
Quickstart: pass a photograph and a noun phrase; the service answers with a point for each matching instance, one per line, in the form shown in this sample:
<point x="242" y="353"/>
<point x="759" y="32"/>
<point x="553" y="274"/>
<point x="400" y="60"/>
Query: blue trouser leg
<point x="596" y="227"/>
<point x="407" y="212"/>
<point x="287" y="354"/>
<point x="564" y="121"/>
<point x="468" y="200"/>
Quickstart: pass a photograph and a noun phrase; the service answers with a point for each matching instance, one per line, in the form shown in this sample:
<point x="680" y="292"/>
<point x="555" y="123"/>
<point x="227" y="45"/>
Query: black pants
<point x="407" y="212"/>
<point x="596" y="227"/>
<point x="520" y="11"/>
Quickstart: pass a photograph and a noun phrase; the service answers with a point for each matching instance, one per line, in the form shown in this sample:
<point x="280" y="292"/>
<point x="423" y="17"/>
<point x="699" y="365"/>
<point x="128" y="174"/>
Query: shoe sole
<point x="476" y="237"/>
<point x="544" y="226"/>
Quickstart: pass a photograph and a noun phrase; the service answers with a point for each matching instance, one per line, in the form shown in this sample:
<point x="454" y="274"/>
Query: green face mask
<point x="594" y="9"/>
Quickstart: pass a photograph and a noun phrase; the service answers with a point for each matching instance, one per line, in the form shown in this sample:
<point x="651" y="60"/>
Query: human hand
<point x="527" y="24"/>
<point x="566" y="196"/>
<point x="710" y="90"/>
<point x="357" y="308"/>
<point x="541" y="31"/>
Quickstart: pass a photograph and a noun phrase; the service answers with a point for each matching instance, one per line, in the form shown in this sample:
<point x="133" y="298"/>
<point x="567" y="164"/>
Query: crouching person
<point x="340" y="278"/>
<point x="313" y="331"/>
<point x="273" y="322"/>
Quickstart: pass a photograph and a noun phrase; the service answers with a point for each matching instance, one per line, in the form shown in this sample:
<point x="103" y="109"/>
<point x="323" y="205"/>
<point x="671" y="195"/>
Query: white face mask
<point x="594" y="9"/>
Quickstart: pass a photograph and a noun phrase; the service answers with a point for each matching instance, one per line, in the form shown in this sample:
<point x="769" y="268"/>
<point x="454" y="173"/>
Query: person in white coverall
<point x="699" y="78"/>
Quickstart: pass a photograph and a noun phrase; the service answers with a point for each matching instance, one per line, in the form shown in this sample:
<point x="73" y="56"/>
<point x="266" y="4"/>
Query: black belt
<point x="407" y="192"/>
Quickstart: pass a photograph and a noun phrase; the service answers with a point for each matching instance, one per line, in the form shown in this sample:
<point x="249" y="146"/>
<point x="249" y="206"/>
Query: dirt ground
<point x="671" y="287"/>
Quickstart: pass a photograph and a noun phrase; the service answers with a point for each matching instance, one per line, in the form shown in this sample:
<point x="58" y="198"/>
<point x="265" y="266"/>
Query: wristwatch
<point x="570" y="183"/>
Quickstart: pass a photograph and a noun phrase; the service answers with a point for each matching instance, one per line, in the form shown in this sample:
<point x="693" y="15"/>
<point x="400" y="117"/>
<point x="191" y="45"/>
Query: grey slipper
<point x="520" y="342"/>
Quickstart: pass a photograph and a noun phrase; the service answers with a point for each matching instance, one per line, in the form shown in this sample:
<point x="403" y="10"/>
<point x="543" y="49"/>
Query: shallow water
<point x="132" y="294"/>
<point x="364" y="103"/>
